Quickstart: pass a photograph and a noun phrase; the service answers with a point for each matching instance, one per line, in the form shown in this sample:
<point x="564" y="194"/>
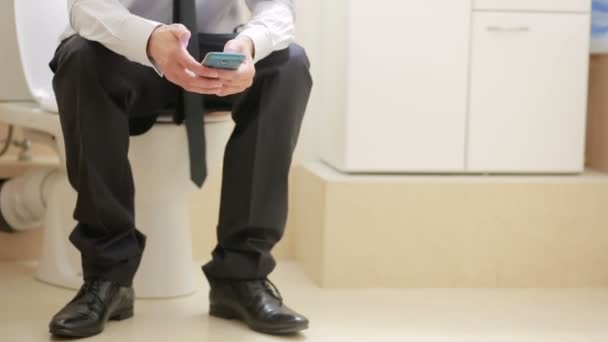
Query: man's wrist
<point x="261" y="39"/>
<point x="249" y="43"/>
<point x="148" y="46"/>
<point x="149" y="52"/>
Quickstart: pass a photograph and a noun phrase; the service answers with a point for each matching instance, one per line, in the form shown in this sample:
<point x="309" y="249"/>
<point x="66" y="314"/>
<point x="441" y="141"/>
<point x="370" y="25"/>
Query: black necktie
<point x="184" y="12"/>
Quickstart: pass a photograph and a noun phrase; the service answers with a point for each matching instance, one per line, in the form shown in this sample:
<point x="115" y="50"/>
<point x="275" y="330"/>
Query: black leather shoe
<point x="97" y="302"/>
<point x="257" y="303"/>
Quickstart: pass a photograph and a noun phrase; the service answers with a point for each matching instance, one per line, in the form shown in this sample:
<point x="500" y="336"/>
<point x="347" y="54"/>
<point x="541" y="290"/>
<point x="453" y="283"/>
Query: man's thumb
<point x="233" y="46"/>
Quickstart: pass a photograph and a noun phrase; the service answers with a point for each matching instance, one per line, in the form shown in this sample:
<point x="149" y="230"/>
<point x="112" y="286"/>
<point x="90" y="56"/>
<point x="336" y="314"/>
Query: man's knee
<point x="77" y="57"/>
<point x="298" y="62"/>
<point x="292" y="67"/>
<point x="298" y="56"/>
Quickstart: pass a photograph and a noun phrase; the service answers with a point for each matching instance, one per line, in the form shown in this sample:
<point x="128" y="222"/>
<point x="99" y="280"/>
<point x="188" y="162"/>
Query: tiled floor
<point x="336" y="315"/>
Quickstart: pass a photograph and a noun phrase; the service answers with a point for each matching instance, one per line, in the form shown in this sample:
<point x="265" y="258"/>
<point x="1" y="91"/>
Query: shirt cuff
<point x="262" y="41"/>
<point x="156" y="68"/>
<point x="136" y="34"/>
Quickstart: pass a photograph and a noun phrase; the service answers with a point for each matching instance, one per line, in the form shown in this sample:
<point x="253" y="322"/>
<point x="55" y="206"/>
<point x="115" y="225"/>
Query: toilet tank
<point x="36" y="27"/>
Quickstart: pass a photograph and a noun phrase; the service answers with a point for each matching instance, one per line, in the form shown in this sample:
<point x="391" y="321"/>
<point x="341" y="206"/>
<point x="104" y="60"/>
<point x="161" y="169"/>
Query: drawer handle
<point x="508" y="29"/>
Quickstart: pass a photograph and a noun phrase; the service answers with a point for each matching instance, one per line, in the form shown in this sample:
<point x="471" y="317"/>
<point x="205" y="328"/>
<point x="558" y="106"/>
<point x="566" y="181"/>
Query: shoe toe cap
<point x="289" y="317"/>
<point x="71" y="321"/>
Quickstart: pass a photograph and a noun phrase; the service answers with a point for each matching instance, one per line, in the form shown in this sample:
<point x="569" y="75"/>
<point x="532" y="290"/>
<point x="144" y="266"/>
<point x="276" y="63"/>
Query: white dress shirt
<point x="124" y="26"/>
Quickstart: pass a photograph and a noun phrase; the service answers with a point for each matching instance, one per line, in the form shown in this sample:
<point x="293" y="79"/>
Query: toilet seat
<point x="37" y="44"/>
<point x="46" y="101"/>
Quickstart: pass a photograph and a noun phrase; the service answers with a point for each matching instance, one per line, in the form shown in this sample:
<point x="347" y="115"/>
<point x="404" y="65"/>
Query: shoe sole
<point x="119" y="316"/>
<point x="229" y="314"/>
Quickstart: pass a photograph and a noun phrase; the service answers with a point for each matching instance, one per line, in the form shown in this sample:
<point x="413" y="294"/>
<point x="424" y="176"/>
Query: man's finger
<point x="204" y="83"/>
<point x="245" y="71"/>
<point x="206" y="91"/>
<point x="191" y="64"/>
<point x="229" y="75"/>
<point x="187" y="80"/>
<point x="226" y="91"/>
<point x="197" y="81"/>
<point x="238" y="83"/>
<point x="233" y="46"/>
<point x="193" y="88"/>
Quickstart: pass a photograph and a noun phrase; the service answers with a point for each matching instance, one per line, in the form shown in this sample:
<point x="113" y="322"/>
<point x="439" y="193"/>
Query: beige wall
<point x="597" y="124"/>
<point x="308" y="35"/>
<point x="25" y="246"/>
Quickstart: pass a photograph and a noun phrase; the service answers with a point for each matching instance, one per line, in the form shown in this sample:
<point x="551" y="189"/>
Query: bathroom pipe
<point x="23" y="200"/>
<point x="8" y="140"/>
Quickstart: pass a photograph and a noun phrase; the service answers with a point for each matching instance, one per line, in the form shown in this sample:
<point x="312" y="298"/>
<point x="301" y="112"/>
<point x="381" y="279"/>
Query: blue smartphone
<point x="223" y="60"/>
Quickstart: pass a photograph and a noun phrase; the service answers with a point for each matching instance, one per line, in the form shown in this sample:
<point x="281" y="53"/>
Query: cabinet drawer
<point x="534" y="5"/>
<point x="528" y="92"/>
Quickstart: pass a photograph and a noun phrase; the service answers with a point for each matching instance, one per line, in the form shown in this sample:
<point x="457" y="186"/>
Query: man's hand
<point x="167" y="48"/>
<point x="237" y="81"/>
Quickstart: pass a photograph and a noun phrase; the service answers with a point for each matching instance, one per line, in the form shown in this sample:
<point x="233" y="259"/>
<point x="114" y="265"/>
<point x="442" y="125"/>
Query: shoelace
<point x="91" y="285"/>
<point x="273" y="290"/>
<point x="89" y="292"/>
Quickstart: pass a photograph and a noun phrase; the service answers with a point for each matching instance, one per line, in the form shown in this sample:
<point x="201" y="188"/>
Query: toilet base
<point x="60" y="261"/>
<point x="167" y="267"/>
<point x="159" y="161"/>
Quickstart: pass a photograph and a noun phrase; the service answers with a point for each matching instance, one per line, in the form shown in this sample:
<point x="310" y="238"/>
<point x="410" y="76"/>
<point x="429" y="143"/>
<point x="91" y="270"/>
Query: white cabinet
<point x="395" y="84"/>
<point x="454" y="86"/>
<point x="528" y="92"/>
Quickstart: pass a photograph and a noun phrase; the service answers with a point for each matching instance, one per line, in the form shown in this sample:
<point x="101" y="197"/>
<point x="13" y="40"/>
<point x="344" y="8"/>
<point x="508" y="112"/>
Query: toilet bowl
<point x="161" y="201"/>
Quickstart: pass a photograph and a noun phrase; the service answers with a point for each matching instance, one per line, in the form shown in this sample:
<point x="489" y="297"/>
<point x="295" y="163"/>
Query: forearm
<point x="272" y="26"/>
<point x="109" y="23"/>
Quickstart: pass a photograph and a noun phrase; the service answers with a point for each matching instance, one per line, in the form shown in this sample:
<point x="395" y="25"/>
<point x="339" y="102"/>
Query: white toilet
<point x="162" y="201"/>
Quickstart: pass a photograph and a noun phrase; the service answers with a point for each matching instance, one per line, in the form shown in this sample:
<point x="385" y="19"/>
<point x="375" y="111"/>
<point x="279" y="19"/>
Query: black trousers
<point x="104" y="98"/>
